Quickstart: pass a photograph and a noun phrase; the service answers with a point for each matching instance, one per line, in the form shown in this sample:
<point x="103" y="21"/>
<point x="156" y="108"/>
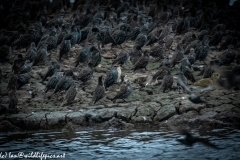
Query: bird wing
<point x="207" y="143"/>
<point x="181" y="83"/>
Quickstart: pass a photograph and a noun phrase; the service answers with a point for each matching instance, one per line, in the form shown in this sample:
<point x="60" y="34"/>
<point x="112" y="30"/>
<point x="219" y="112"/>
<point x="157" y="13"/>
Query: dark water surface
<point x="136" y="144"/>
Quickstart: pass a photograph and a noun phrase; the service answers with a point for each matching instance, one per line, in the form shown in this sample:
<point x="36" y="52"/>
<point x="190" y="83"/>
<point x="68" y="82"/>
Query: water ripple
<point x="120" y="145"/>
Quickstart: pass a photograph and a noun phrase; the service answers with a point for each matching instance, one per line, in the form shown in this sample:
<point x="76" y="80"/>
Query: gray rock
<point x="165" y="112"/>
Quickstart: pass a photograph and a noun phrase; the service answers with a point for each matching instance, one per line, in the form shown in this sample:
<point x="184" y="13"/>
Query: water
<point x="136" y="144"/>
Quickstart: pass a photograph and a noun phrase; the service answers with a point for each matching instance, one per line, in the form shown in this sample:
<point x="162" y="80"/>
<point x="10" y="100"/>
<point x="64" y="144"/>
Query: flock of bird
<point x="42" y="26"/>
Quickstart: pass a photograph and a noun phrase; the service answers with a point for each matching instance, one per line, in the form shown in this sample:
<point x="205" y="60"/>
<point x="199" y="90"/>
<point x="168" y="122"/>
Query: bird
<point x="83" y="55"/>
<point x="23" y="79"/>
<point x="141" y="39"/>
<point x="230" y="78"/>
<point x="202" y="53"/>
<point x="52" y="69"/>
<point x="13" y="99"/>
<point x="187" y="73"/>
<point x="70" y="95"/>
<point x="53" y="81"/>
<point x="195" y="95"/>
<point x="64" y="83"/>
<point x="158" y="50"/>
<point x="17" y="64"/>
<point x="52" y="40"/>
<point x="159" y="74"/>
<point x="99" y="91"/>
<point x="42" y="53"/>
<point x="27" y="67"/>
<point x="165" y="62"/>
<point x="203" y="33"/>
<point x="142" y="61"/>
<point x="216" y="39"/>
<point x="227" y="57"/>
<point x="121" y="59"/>
<point x="184" y="63"/>
<point x="134" y="33"/>
<point x="207" y="81"/>
<point x="167" y="81"/>
<point x="95" y="56"/>
<point x="189" y="139"/>
<point x="152" y="37"/>
<point x="177" y="56"/>
<point x="183" y="79"/>
<point x="74" y="35"/>
<point x="31" y="52"/>
<point x="135" y="55"/>
<point x="65" y="47"/>
<point x="193" y="44"/>
<point x="119" y="36"/>
<point x="124" y="92"/>
<point x="111" y="76"/>
<point x="207" y="71"/>
<point x="165" y="31"/>
<point x="86" y="72"/>
<point x="191" y="56"/>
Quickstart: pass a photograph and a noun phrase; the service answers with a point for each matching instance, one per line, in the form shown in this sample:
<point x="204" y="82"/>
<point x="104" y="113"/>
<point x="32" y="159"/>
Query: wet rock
<point x="186" y="106"/>
<point x="116" y="123"/>
<point x="35" y="121"/>
<point x="76" y="118"/>
<point x="55" y="119"/>
<point x="6" y="126"/>
<point x="165" y="112"/>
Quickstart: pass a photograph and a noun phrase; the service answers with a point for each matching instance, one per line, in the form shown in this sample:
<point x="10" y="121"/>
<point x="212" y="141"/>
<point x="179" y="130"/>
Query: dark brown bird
<point x="177" y="56"/>
<point x="124" y="92"/>
<point x="227" y="57"/>
<point x="135" y="55"/>
<point x="52" y="69"/>
<point x="162" y="71"/>
<point x="27" y="67"/>
<point x="83" y="55"/>
<point x="195" y="95"/>
<point x="121" y="58"/>
<point x="165" y="62"/>
<point x="23" y="79"/>
<point x="63" y="84"/>
<point x="70" y="95"/>
<point x="142" y="61"/>
<point x="158" y="50"/>
<point x="53" y="81"/>
<point x="86" y="73"/>
<point x="64" y="48"/>
<point x="99" y="91"/>
<point x="31" y="52"/>
<point x="42" y="53"/>
<point x="167" y="81"/>
<point x="189" y="140"/>
<point x="192" y="56"/>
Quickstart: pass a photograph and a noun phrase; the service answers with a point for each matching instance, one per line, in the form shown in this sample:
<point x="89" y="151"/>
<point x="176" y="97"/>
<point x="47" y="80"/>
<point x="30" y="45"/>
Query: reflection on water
<point x="113" y="145"/>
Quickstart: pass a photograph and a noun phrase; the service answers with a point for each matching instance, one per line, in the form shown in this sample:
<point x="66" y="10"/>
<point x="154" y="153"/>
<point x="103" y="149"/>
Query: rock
<point x="116" y="123"/>
<point x="6" y="126"/>
<point x="165" y="112"/>
<point x="55" y="119"/>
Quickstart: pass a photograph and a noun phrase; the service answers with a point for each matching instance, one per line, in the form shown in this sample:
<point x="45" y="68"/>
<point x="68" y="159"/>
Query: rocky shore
<point x="146" y="106"/>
